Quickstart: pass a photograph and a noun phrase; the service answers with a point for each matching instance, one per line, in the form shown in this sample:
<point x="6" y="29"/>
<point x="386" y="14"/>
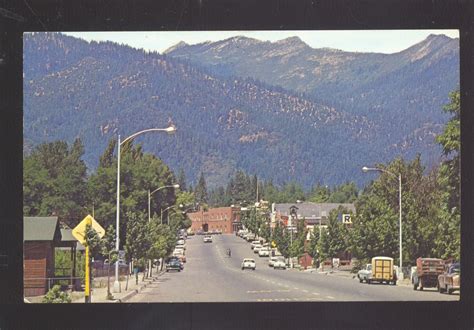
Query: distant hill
<point x="226" y="120"/>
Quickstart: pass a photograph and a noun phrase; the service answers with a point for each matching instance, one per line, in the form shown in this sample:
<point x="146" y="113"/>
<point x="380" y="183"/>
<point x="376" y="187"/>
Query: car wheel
<point x="415" y="286"/>
<point x="253" y="268"/>
<point x="450" y="291"/>
<point x="439" y="288"/>
<point x="242" y="268"/>
<point x="368" y="281"/>
<point x="360" y="280"/>
<point x="421" y="288"/>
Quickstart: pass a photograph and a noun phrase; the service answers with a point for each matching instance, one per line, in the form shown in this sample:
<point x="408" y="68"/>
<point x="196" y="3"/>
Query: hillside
<point x="402" y="92"/>
<point x="94" y="91"/>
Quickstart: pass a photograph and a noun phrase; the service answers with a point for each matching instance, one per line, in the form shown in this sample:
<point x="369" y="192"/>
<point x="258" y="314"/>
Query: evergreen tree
<point x="448" y="241"/>
<point x="201" y="190"/>
<point x="182" y="180"/>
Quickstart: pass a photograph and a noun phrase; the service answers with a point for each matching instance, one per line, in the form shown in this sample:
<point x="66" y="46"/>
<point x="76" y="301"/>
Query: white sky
<point x="379" y="41"/>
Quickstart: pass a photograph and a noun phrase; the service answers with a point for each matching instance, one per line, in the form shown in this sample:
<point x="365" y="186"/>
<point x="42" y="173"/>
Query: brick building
<point x="226" y="219"/>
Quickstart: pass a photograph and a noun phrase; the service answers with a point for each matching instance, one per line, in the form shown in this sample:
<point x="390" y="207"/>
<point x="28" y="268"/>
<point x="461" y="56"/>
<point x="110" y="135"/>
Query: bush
<point x="56" y="296"/>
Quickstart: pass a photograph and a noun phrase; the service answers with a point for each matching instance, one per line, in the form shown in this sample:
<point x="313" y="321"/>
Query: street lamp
<point x="176" y="186"/>
<point x="366" y="169"/>
<point x="169" y="207"/>
<point x="170" y="130"/>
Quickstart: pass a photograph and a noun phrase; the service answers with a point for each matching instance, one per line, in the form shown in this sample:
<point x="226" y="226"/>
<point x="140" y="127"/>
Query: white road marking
<point x="295" y="288"/>
<point x="330" y="297"/>
<point x="304" y="290"/>
<point x="315" y="293"/>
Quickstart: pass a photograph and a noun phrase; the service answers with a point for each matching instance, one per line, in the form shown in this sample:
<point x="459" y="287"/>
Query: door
<point x="205" y="227"/>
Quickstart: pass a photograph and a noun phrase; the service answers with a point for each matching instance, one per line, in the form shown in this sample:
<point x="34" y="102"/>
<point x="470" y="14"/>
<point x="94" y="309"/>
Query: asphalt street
<point x="209" y="275"/>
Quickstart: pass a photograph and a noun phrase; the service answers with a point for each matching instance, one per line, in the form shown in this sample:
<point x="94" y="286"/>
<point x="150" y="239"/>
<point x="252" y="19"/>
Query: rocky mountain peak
<point x="292" y="41"/>
<point x="179" y="45"/>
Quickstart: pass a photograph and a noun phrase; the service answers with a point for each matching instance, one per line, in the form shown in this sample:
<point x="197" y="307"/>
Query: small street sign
<point x="346" y="218"/>
<point x="79" y="231"/>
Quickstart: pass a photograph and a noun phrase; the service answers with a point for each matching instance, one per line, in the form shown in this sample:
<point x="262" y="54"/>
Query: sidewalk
<point x="99" y="295"/>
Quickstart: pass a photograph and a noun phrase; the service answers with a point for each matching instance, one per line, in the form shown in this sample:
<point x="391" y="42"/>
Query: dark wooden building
<point x="40" y="237"/>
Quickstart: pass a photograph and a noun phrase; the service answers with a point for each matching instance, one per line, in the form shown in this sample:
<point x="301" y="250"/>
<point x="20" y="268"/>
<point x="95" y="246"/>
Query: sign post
<point x="79" y="232"/>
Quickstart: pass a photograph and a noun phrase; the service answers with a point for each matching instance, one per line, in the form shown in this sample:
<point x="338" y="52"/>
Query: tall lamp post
<point x="176" y="186"/>
<point x="169" y="207"/>
<point x="169" y="130"/>
<point x="399" y="176"/>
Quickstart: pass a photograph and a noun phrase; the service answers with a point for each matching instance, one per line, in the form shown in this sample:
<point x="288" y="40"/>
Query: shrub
<point x="56" y="296"/>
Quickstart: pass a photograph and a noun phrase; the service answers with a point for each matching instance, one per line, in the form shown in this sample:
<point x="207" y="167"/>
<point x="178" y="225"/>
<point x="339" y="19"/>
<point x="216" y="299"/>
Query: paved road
<point x="210" y="276"/>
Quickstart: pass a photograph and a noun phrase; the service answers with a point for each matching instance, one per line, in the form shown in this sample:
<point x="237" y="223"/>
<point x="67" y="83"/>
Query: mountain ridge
<point x="96" y="90"/>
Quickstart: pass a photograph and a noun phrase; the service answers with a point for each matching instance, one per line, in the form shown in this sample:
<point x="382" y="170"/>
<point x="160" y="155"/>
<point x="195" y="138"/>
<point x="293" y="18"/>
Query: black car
<point x="174" y="264"/>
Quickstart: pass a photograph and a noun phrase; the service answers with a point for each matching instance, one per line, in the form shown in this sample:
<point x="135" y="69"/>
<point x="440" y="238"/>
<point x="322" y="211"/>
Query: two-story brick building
<point x="225" y="219"/>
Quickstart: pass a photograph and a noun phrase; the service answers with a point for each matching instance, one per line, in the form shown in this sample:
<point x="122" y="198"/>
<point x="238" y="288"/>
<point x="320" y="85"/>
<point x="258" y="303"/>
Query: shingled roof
<point x="41" y="229"/>
<point x="311" y="210"/>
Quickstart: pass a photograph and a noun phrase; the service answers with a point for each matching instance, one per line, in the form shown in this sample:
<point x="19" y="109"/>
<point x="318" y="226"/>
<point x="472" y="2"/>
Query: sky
<point x="378" y="41"/>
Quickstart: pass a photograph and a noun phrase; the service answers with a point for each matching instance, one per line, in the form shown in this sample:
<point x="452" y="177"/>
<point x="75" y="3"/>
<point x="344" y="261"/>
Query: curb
<point x="134" y="292"/>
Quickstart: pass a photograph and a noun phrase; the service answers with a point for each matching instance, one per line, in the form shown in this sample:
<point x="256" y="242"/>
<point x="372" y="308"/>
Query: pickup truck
<point x="450" y="280"/>
<point x="427" y="272"/>
<point x="380" y="270"/>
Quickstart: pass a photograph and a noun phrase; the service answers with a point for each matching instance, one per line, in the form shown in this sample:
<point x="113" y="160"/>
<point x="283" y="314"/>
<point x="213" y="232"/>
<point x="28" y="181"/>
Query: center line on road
<point x="330" y="297"/>
<point x="315" y="293"/>
<point x="305" y="290"/>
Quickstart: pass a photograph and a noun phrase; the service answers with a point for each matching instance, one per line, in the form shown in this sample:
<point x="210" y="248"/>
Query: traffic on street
<point x="211" y="275"/>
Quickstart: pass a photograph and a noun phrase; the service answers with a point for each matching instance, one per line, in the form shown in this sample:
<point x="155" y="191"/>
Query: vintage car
<point x="450" y="280"/>
<point x="427" y="272"/>
<point x="380" y="270"/>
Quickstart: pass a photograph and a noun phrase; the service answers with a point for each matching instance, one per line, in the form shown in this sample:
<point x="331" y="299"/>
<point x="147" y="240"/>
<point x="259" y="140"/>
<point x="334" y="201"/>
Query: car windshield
<point x="249" y="260"/>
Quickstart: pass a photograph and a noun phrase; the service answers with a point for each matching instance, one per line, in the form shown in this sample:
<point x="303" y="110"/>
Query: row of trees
<point x="430" y="204"/>
<point x="242" y="189"/>
<point x="57" y="182"/>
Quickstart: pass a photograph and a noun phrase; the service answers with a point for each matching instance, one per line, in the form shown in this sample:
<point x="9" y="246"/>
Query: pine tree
<point x="182" y="180"/>
<point x="200" y="191"/>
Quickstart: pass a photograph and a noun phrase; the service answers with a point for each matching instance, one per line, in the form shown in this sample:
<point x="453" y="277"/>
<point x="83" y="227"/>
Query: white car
<point x="264" y="252"/>
<point x="248" y="263"/>
<point x="252" y="245"/>
<point x="178" y="251"/>
<point x="257" y="248"/>
<point x="279" y="263"/>
<point x="180" y="242"/>
<point x="271" y="261"/>
<point x="181" y="246"/>
<point x="207" y="239"/>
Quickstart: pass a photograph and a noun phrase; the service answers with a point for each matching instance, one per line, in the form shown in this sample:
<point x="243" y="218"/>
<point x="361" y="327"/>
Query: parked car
<point x="248" y="263"/>
<point x="257" y="248"/>
<point x="252" y="245"/>
<point x="249" y="237"/>
<point x="264" y="252"/>
<point x="174" y="264"/>
<point x="181" y="246"/>
<point x="427" y="272"/>
<point x="207" y="239"/>
<point x="182" y="258"/>
<point x="200" y="232"/>
<point x="180" y="242"/>
<point x="271" y="261"/>
<point x="279" y="263"/>
<point x="380" y="270"/>
<point x="450" y="280"/>
<point x="122" y="264"/>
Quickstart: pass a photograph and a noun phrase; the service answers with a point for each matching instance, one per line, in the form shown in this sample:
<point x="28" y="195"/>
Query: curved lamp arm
<point x="169" y="130"/>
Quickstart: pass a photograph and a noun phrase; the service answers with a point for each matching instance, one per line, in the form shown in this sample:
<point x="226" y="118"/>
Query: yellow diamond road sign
<point x="79" y="232"/>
